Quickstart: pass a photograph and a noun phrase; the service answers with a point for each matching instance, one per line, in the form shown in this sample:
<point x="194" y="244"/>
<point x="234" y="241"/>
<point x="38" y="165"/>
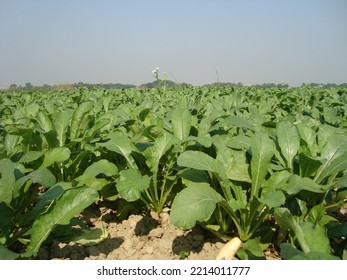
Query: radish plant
<point x="234" y="195"/>
<point x="244" y="189"/>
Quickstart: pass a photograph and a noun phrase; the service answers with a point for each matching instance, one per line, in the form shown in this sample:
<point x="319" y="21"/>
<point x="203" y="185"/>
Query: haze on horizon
<point x="193" y="41"/>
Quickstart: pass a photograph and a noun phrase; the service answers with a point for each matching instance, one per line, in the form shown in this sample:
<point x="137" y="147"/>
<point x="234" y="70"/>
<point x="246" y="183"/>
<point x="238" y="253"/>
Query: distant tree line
<point x="106" y="86"/>
<point x="280" y="85"/>
<point x="154" y="84"/>
<point x="328" y="85"/>
<point x="29" y="86"/>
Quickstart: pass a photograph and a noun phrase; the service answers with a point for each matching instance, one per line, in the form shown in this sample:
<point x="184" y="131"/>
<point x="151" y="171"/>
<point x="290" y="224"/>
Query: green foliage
<point x="62" y="210"/>
<point x="240" y="161"/>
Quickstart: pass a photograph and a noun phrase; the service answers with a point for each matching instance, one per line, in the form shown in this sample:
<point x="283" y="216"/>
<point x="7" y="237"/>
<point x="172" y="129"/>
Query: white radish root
<point x="229" y="249"/>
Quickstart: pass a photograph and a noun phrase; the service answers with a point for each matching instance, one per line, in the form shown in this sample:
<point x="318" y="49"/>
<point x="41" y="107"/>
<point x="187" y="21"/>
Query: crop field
<point x="256" y="169"/>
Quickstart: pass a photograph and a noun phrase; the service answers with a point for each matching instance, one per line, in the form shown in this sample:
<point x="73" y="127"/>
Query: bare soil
<point x="138" y="237"/>
<point x="142" y="237"/>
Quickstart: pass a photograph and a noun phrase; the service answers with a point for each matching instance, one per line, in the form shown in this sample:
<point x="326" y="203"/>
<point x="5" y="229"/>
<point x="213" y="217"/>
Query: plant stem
<point x="233" y="216"/>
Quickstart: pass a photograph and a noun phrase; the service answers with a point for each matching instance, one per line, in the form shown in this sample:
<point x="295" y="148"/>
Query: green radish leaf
<point x="7" y="180"/>
<point x="237" y="204"/>
<point x="154" y="153"/>
<point x="44" y="201"/>
<point x="120" y="144"/>
<point x="205" y="125"/>
<point x="237" y="121"/>
<point x="338" y="231"/>
<point x="89" y="177"/>
<point x="273" y="199"/>
<point x="240" y="142"/>
<point x="51" y="156"/>
<point x="335" y="166"/>
<point x="131" y="183"/>
<point x="316" y="237"/>
<point x="11" y="143"/>
<point x="78" y="162"/>
<point x="330" y="115"/>
<point x="41" y="176"/>
<point x="199" y="161"/>
<point x="102" y="166"/>
<point x="336" y="146"/>
<point x="101" y="123"/>
<point x="194" y="175"/>
<point x="288" y="141"/>
<point x="308" y="135"/>
<point x="44" y="121"/>
<point x="324" y="133"/>
<point x="106" y="102"/>
<point x="316" y="214"/>
<point x="341" y="183"/>
<point x="287" y="222"/>
<point x="50" y="107"/>
<point x="205" y="140"/>
<point x="239" y="172"/>
<point x="312" y="238"/>
<point x="61" y="122"/>
<point x="308" y="165"/>
<point x="51" y="139"/>
<point x="289" y="252"/>
<point x="90" y="237"/>
<point x="31" y="156"/>
<point x="31" y="109"/>
<point x="6" y="221"/>
<point x="297" y="207"/>
<point x="78" y="119"/>
<point x="277" y="181"/>
<point x="6" y="254"/>
<point x="71" y="203"/>
<point x="181" y="122"/>
<point x="23" y="127"/>
<point x="252" y="250"/>
<point x="262" y="151"/>
<point x="196" y="184"/>
<point x="143" y="114"/>
<point x="195" y="203"/>
<point x="297" y="184"/>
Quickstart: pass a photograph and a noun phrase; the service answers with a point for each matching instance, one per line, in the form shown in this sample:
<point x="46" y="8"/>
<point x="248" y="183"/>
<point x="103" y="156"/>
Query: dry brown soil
<point x="144" y="237"/>
<point x="140" y="237"/>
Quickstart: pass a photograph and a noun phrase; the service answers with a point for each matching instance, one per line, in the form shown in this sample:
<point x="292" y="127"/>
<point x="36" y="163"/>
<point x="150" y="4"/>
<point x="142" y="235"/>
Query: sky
<point x="193" y="41"/>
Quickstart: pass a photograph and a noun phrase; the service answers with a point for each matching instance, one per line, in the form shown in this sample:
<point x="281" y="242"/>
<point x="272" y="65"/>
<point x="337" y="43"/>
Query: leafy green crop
<point x="266" y="165"/>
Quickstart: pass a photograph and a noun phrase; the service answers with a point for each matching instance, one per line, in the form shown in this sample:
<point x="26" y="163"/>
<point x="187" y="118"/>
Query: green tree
<point x="28" y="86"/>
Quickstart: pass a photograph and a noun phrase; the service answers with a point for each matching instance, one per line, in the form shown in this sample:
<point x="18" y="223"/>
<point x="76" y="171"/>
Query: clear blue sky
<point x="194" y="41"/>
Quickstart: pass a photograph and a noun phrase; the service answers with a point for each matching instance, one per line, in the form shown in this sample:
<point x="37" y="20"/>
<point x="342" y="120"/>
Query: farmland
<point x="267" y="166"/>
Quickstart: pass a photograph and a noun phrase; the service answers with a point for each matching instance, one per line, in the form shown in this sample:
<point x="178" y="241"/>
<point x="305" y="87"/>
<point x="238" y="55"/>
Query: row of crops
<point x="265" y="165"/>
